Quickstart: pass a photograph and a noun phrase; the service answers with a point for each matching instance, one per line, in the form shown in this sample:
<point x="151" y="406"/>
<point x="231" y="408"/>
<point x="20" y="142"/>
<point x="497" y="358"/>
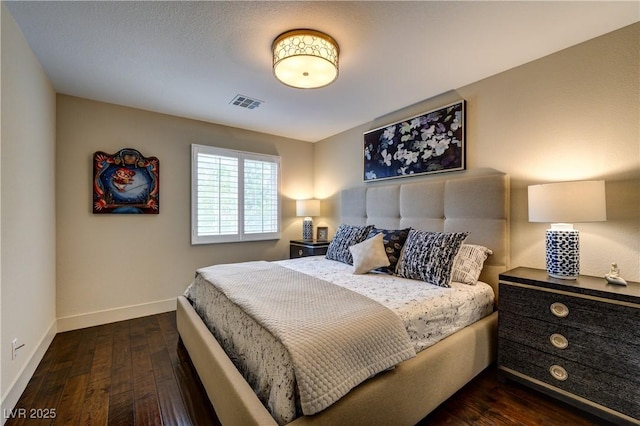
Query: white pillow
<point x="468" y="263"/>
<point x="369" y="254"/>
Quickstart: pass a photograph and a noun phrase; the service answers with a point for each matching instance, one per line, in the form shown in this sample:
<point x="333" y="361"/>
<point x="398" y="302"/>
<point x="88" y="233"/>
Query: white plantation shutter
<point x="217" y="199"/>
<point x="235" y="196"/>
<point x="260" y="196"/>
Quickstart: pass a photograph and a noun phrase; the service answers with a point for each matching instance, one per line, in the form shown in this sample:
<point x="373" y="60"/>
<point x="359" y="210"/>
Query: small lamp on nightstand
<point x="307" y="208"/>
<point x="562" y="204"/>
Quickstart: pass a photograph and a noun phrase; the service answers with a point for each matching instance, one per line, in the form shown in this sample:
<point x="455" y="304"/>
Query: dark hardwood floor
<point x="137" y="372"/>
<point x="126" y="373"/>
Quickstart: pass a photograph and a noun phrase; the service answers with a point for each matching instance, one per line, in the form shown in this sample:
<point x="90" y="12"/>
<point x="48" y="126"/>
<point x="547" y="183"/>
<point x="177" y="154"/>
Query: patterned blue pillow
<point x="429" y="256"/>
<point x="393" y="240"/>
<point x="346" y="236"/>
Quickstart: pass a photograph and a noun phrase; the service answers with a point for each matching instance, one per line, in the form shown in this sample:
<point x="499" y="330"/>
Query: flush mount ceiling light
<point x="305" y="59"/>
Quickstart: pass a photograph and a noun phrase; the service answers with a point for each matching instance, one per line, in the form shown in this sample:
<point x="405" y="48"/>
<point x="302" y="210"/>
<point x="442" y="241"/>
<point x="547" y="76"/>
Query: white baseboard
<point x="11" y="397"/>
<point x="91" y="319"/>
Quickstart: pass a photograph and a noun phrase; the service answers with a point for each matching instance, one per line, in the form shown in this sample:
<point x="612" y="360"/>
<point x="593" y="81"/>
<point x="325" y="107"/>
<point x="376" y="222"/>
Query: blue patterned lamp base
<point x="563" y="254"/>
<point x="307" y="229"/>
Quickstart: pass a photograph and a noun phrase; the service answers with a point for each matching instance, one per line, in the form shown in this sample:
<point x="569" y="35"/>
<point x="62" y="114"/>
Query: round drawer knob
<point x="300" y="251"/>
<point x="559" y="341"/>
<point x="558" y="373"/>
<point x="559" y="309"/>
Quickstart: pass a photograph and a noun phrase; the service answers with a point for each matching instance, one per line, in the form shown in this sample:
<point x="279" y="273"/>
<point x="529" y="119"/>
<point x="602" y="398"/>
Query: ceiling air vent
<point x="246" y="102"/>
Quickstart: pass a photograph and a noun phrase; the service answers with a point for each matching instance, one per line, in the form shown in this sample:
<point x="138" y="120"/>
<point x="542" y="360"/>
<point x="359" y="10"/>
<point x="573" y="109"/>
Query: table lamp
<point x="307" y="208"/>
<point x="563" y="204"/>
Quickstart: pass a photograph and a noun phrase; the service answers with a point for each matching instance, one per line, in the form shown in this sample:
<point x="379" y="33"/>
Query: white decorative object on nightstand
<point x="613" y="277"/>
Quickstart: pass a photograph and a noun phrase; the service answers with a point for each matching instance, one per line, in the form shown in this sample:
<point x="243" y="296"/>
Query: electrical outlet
<point x="14" y="348"/>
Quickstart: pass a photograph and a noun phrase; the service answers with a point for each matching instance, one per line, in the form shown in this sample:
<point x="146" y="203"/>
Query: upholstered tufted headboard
<point x="477" y="202"/>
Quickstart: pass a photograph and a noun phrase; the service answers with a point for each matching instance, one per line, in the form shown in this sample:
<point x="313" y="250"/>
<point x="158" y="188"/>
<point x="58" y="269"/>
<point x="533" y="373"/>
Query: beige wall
<point x="573" y="115"/>
<point x="27" y="215"/>
<point x="117" y="266"/>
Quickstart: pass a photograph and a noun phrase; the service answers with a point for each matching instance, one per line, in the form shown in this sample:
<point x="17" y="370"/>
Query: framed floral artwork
<point x="433" y="142"/>
<point x="125" y="183"/>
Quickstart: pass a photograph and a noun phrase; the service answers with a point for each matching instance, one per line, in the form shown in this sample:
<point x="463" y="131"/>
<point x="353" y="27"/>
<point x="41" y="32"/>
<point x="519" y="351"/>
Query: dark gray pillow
<point x="394" y="240"/>
<point x="346" y="236"/>
<point x="429" y="256"/>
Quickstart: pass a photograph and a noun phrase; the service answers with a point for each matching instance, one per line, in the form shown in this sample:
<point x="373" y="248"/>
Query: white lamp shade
<point x="562" y="204"/>
<point x="568" y="202"/>
<point x="308" y="208"/>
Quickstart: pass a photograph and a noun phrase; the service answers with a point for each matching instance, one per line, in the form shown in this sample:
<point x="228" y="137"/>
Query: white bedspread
<point x="430" y="313"/>
<point x="336" y="338"/>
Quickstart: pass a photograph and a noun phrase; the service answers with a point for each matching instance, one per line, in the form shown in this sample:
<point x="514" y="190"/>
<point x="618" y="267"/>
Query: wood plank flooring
<point x="126" y="373"/>
<point x="137" y="372"/>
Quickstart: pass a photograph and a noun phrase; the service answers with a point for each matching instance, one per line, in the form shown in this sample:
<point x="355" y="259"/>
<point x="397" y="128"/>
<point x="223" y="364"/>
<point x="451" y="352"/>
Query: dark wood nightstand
<point x="302" y="248"/>
<point x="578" y="341"/>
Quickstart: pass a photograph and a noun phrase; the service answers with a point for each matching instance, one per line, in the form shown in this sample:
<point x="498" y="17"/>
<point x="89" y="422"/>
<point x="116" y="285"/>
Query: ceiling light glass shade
<point x="305" y="59"/>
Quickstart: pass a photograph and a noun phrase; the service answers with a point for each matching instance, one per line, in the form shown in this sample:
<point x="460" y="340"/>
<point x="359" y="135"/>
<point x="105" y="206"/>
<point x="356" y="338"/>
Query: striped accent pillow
<point x="346" y="236"/>
<point x="468" y="263"/>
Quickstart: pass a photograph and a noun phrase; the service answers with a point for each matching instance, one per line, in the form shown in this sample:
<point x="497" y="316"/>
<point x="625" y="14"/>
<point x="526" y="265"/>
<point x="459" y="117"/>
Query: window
<point x="234" y="196"/>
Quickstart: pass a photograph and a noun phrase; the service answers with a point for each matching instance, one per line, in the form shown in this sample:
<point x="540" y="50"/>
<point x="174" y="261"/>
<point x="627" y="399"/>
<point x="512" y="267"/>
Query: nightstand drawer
<point x="300" y="251"/>
<point x="594" y="385"/>
<point x="607" y="354"/>
<point x="303" y="248"/>
<point x="609" y="320"/>
<point x="577" y="340"/>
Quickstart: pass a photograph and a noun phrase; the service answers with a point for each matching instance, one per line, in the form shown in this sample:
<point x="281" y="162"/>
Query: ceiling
<point x="190" y="59"/>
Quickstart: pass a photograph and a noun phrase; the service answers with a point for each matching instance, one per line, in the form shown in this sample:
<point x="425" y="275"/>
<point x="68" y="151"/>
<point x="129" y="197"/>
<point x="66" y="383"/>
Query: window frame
<point x="241" y="156"/>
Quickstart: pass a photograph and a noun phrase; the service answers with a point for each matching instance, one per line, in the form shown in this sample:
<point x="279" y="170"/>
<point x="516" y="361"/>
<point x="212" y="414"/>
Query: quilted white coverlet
<point x="335" y="337"/>
<point x="429" y="313"/>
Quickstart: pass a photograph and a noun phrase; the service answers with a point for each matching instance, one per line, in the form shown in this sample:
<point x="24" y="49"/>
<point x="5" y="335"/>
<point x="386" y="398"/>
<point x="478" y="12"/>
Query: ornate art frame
<point x="433" y="142"/>
<point x="125" y="183"/>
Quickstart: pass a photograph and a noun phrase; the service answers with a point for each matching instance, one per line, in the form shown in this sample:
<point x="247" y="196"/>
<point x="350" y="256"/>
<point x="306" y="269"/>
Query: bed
<point x="475" y="203"/>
